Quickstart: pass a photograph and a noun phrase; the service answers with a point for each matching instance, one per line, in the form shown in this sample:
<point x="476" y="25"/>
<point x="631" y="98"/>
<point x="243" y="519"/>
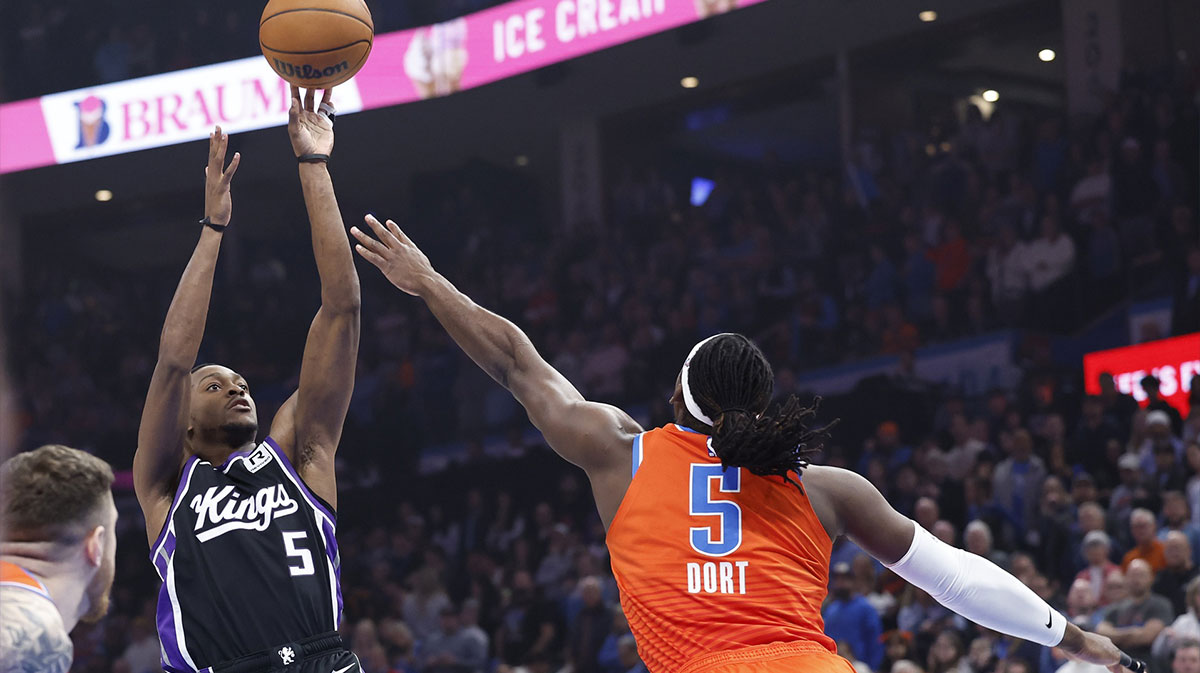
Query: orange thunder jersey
<point x="709" y="560"/>
<point x="13" y="575"/>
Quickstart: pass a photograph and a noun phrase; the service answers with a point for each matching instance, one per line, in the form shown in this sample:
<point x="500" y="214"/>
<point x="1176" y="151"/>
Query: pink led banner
<point x="404" y="66"/>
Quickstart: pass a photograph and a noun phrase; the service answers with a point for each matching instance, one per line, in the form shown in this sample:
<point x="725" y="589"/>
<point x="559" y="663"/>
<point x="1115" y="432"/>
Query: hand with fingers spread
<point x="309" y="125"/>
<point x="400" y="260"/>
<point x="218" y="205"/>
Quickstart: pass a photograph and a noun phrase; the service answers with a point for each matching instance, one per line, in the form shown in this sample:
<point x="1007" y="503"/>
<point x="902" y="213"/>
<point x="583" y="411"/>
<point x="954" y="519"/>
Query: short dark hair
<point x="52" y="494"/>
<point x="202" y="365"/>
<point x="732" y="382"/>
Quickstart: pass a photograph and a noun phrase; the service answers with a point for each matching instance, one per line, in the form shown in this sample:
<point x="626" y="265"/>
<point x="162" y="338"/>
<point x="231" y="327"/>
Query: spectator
<point x="981" y="655"/>
<point x="1176" y="517"/>
<point x="424" y="607"/>
<point x="1147" y="547"/>
<point x="143" y="653"/>
<point x="965" y="449"/>
<point x="947" y="655"/>
<point x="630" y="662"/>
<point x="1185" y="627"/>
<point x="846" y="652"/>
<point x="1135" y="622"/>
<point x="1096" y="549"/>
<point x="951" y="258"/>
<point x="609" y="657"/>
<point x="979" y="541"/>
<point x="1095" y="430"/>
<point x="1116" y="589"/>
<point x="475" y="640"/>
<point x="589" y="629"/>
<point x="529" y="626"/>
<point x="1130" y="492"/>
<point x="1018" y="480"/>
<point x="849" y="617"/>
<point x="1159" y="434"/>
<point x="1082" y="604"/>
<point x="1050" y="257"/>
<point x="450" y="649"/>
<point x="906" y="666"/>
<point x="897" y="646"/>
<point x="1155" y="402"/>
<point x="1118" y="407"/>
<point x="1187" y="657"/>
<point x="1179" y="571"/>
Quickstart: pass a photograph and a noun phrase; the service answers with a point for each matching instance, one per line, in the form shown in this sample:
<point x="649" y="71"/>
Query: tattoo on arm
<point x="32" y="639"/>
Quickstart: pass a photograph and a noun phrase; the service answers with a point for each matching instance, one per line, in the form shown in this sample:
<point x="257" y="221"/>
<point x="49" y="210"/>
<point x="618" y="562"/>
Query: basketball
<point x="316" y="44"/>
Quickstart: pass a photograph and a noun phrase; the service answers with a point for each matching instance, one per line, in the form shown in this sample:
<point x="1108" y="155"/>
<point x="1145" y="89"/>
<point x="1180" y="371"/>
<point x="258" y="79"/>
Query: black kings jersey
<point x="248" y="561"/>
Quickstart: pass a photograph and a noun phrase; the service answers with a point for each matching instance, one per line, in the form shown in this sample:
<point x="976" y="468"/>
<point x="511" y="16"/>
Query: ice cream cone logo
<point x="93" y="128"/>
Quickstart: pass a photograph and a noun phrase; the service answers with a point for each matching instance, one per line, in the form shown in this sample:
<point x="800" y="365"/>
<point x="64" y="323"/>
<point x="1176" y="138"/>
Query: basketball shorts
<point x="325" y="653"/>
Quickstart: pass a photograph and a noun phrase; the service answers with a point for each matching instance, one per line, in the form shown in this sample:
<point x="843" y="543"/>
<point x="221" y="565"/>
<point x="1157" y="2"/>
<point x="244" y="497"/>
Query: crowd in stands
<point x="498" y="565"/>
<point x="53" y="46"/>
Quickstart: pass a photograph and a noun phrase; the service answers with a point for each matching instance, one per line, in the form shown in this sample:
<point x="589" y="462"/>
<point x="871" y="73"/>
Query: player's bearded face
<point x="99" y="589"/>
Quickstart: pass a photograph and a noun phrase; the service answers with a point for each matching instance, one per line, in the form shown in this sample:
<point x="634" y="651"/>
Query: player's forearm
<point x="183" y="328"/>
<point x="494" y="343"/>
<point x="331" y="247"/>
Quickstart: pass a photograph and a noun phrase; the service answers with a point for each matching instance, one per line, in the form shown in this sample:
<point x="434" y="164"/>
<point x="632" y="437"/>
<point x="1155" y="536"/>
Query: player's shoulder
<point x="32" y="636"/>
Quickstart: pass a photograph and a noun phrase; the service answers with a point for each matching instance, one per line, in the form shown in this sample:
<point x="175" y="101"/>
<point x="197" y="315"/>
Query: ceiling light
<point x="103" y="195"/>
<point x="689" y="82"/>
<point x="991" y="96"/>
<point x="928" y="16"/>
<point x="1046" y="55"/>
<point x="521" y="160"/>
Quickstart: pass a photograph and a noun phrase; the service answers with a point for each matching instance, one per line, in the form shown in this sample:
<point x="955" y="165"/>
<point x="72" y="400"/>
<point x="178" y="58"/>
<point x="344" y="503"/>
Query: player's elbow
<point x="344" y="304"/>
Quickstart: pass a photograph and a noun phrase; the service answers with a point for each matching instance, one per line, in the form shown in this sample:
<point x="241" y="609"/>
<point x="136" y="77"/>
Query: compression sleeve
<point x="979" y="590"/>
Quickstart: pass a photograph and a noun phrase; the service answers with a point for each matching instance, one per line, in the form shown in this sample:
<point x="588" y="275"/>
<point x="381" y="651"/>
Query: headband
<point x="689" y="401"/>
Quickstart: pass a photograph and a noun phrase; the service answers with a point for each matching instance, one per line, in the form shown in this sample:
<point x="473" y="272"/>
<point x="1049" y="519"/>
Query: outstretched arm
<point x="330" y="354"/>
<point x="165" y="416"/>
<point x="596" y="437"/>
<point x="971" y="585"/>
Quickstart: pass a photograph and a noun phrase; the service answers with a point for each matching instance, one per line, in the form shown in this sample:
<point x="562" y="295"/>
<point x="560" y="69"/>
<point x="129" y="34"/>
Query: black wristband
<point x="313" y="158"/>
<point x="207" y="221"/>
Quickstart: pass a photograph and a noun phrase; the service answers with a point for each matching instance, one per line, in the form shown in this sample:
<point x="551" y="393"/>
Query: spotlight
<point x="928" y="16"/>
<point x="521" y="160"/>
<point x="689" y="82"/>
<point x="103" y="195"/>
<point x="1046" y="55"/>
<point x="991" y="96"/>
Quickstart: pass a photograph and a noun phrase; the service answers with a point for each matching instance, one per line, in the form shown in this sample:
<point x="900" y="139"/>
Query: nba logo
<point x="93" y="128"/>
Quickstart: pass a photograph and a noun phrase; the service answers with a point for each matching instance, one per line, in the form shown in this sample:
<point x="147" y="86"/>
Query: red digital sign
<point x="1174" y="362"/>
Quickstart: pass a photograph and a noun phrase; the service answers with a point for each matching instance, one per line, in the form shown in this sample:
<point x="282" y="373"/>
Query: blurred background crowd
<point x="468" y="547"/>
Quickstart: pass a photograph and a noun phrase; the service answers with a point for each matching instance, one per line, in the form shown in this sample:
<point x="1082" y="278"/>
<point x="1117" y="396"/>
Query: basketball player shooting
<point x="241" y="535"/>
<point x="718" y="528"/>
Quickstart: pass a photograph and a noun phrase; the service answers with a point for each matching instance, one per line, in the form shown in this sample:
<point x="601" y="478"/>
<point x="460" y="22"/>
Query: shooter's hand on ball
<point x="400" y="260"/>
<point x="218" y="206"/>
<point x="311" y="126"/>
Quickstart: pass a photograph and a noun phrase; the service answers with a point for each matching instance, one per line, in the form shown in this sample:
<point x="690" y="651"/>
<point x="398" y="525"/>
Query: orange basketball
<point x="316" y="44"/>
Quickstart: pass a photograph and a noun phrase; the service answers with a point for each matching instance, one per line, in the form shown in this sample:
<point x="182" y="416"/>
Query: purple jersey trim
<point x="184" y="480"/>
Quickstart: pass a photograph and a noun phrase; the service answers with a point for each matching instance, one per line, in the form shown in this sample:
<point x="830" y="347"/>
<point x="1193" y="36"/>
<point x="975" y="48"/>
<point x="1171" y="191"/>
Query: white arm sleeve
<point x="979" y="590"/>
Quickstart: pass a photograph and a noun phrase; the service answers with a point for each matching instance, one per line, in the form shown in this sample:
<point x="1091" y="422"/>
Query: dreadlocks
<point x="732" y="382"/>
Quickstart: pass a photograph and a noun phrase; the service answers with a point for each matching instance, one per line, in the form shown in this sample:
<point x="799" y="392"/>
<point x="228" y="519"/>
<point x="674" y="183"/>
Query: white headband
<point x="688" y="400"/>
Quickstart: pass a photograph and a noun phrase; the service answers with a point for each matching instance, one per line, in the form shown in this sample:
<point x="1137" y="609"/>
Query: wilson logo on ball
<point x="306" y="72"/>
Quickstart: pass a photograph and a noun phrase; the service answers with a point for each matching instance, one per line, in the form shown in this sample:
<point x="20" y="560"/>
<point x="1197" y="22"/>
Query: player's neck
<point x="217" y="453"/>
<point x="64" y="579"/>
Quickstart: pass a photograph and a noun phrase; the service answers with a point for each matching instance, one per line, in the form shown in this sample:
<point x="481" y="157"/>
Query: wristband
<point x="207" y="221"/>
<point x="313" y="158"/>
